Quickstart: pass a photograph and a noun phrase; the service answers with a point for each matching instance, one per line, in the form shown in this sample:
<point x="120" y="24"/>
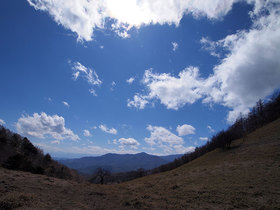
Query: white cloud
<point x="138" y="101"/>
<point x="92" y="92"/>
<point x="251" y="69"/>
<point x="180" y="149"/>
<point x="43" y="125"/>
<point x="174" y="46"/>
<point x="65" y="104"/>
<point x="105" y="129"/>
<point x="210" y="46"/>
<point x="244" y="75"/>
<point x="2" y="122"/>
<point x="162" y="135"/>
<point x="115" y="141"/>
<point x="101" y="47"/>
<point x="203" y="138"/>
<point x="84" y="16"/>
<point x="131" y="142"/>
<point x="166" y="140"/>
<point x="173" y="92"/>
<point x="86" y="133"/>
<point x="210" y="129"/>
<point x="130" y="80"/>
<point x="113" y="85"/>
<point x="90" y="75"/>
<point x="185" y="129"/>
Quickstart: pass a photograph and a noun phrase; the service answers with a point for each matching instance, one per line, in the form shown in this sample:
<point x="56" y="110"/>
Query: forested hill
<point x="18" y="153"/>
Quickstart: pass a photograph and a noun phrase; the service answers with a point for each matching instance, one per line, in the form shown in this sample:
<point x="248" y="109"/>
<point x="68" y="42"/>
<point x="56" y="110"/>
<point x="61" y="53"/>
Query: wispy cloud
<point x="211" y="130"/>
<point x="92" y="92"/>
<point x="113" y="85"/>
<point x="211" y="46"/>
<point x="65" y="104"/>
<point x="174" y="46"/>
<point x="90" y="75"/>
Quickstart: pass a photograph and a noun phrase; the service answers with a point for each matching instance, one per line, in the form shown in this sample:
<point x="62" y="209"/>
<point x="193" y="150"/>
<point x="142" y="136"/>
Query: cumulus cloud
<point x="84" y="16"/>
<point x="250" y="70"/>
<point x="185" y="129"/>
<point x="86" y="133"/>
<point x="203" y="138"/>
<point x="130" y="142"/>
<point x="105" y="129"/>
<point x="174" y="46"/>
<point x="65" y="104"/>
<point x="173" y="92"/>
<point x="130" y="80"/>
<point x="139" y="101"/>
<point x="2" y="122"/>
<point x="166" y="140"/>
<point x="162" y="135"/>
<point x="43" y="125"/>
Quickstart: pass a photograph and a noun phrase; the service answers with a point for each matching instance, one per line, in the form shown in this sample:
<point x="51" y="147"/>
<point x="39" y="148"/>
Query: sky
<point x="86" y="78"/>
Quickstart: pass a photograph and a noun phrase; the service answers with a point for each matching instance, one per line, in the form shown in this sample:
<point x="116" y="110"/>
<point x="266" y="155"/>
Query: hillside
<point x="117" y="162"/>
<point x="246" y="176"/>
<point x="18" y="153"/>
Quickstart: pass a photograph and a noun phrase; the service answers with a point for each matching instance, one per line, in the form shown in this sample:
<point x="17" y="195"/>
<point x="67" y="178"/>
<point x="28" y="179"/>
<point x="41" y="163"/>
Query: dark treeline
<point x="102" y="176"/>
<point x="18" y="153"/>
<point x="261" y="114"/>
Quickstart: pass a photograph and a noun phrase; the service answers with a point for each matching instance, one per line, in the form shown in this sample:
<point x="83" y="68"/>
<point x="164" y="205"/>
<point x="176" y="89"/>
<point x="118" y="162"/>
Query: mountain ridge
<point x="117" y="162"/>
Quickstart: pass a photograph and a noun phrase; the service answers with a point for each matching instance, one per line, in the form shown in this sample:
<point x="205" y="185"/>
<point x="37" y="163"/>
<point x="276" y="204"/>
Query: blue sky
<point x="88" y="78"/>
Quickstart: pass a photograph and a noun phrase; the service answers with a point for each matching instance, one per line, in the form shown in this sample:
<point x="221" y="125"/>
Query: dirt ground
<point x="246" y="177"/>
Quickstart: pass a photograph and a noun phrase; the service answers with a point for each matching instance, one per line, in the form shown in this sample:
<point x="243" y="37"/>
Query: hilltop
<point x="246" y="176"/>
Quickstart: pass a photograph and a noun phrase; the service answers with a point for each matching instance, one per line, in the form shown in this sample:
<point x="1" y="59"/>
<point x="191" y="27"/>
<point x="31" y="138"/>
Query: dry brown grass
<point x="246" y="177"/>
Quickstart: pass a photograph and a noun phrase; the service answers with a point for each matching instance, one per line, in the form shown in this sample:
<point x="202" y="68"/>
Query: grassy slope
<point x="247" y="176"/>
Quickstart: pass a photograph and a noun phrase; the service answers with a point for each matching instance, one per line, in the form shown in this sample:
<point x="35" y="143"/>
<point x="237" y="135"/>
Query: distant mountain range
<point x="117" y="162"/>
